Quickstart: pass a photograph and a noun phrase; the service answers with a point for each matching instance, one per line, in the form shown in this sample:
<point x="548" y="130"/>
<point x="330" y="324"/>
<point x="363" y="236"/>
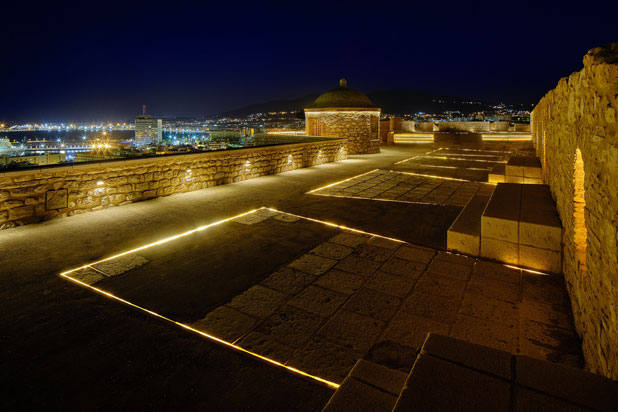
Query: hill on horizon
<point x="396" y="102"/>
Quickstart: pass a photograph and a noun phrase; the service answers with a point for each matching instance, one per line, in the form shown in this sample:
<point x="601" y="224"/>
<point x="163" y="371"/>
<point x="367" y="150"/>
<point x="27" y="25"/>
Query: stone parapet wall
<point x="34" y="195"/>
<point x="464" y="126"/>
<point x="581" y="113"/>
<point x="361" y="128"/>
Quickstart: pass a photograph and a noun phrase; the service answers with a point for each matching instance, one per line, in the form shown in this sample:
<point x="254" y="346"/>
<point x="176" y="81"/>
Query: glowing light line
<point x="204" y="334"/>
<point x="67" y="276"/>
<point x="420" y="155"/>
<point x="468" y="160"/>
<point x="442" y="177"/>
<point x="378" y="199"/>
<point x="159" y="242"/>
<point x="337" y="225"/>
<point x="341" y="181"/>
<point x="526" y="270"/>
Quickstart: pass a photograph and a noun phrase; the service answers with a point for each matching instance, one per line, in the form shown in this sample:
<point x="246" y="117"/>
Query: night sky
<point x="80" y="64"/>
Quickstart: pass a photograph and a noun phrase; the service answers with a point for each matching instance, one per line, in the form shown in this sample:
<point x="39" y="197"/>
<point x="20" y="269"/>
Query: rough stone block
<point x="487" y="333"/>
<point x="357" y="396"/>
<point x="507" y="252"/>
<point x="574" y="385"/>
<point x="121" y="265"/>
<point x="513" y="179"/>
<point x="225" y="323"/>
<point x="258" y="301"/>
<point x="388" y="380"/>
<point x="312" y="264"/>
<point x="373" y="303"/>
<point x="468" y="390"/>
<point x="340" y="281"/>
<point x="352" y="330"/>
<point x="320" y="301"/>
<point x="483" y="358"/>
<point x="540" y="259"/>
<point x="290" y="326"/>
<point x="540" y="229"/>
<point x="266" y="346"/>
<point x="56" y="199"/>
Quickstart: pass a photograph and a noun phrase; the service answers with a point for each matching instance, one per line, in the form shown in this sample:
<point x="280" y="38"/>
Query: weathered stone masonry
<point x="581" y="113"/>
<point x="361" y="127"/>
<point x="33" y="195"/>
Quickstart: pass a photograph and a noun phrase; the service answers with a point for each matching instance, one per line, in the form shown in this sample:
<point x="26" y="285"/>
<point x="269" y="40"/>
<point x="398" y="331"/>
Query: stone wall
<point x="33" y="195"/>
<point x="581" y="113"/>
<point x="464" y="126"/>
<point x="361" y="128"/>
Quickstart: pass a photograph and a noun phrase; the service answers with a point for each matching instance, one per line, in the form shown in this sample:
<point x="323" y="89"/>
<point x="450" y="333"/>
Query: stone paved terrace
<point x="313" y="296"/>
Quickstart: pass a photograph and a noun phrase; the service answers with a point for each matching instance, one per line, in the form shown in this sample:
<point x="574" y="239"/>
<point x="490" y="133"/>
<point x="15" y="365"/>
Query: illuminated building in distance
<point x="147" y="129"/>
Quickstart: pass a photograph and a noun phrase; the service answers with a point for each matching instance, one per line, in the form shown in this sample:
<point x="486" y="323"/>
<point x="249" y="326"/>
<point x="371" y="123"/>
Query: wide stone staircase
<point x="453" y="375"/>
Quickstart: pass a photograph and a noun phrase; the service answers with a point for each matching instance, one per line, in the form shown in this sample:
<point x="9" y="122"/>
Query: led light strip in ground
<point x="444" y="157"/>
<point x="417" y="156"/>
<point x="442" y="177"/>
<point x="206" y="335"/>
<point x="336" y="225"/>
<point x="476" y="150"/>
<point x="67" y="276"/>
<point x="378" y="199"/>
<point x="159" y="242"/>
<point x="341" y="181"/>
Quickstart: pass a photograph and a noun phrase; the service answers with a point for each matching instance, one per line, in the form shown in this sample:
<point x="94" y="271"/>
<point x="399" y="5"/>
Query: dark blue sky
<point x="102" y="63"/>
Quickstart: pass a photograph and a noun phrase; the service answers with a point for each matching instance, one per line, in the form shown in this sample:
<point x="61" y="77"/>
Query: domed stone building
<point x="344" y="112"/>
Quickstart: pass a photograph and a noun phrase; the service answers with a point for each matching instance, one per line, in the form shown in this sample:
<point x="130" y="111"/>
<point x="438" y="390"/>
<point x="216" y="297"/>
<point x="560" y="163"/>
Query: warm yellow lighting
<point x="526" y="270"/>
<point x="417" y="156"/>
<point x="460" y="158"/>
<point x="335" y="225"/>
<point x="442" y="177"/>
<point x="159" y="242"/>
<point x="376" y="199"/>
<point x="204" y="334"/>
<point x="341" y="181"/>
<point x="67" y="276"/>
<point x="100" y="183"/>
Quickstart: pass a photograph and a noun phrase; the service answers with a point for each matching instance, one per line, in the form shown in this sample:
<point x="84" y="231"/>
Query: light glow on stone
<point x="67" y="276"/>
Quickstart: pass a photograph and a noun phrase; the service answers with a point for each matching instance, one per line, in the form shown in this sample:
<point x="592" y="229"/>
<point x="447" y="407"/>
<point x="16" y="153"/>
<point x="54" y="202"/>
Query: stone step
<point x="464" y="235"/>
<point x="497" y="174"/>
<point x="520" y="226"/>
<point x="524" y="169"/>
<point x="450" y="374"/>
<point x="368" y="387"/>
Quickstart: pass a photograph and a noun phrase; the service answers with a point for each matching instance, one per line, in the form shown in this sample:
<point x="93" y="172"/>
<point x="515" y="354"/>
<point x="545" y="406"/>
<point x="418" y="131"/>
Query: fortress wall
<point x="464" y="126"/>
<point x="34" y="195"/>
<point x="581" y="113"/>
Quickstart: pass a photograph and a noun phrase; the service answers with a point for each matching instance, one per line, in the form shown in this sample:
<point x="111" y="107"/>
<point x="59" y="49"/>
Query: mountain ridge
<point x="396" y="102"/>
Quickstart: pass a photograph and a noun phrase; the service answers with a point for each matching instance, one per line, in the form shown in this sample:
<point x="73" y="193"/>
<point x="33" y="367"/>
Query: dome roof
<point x="342" y="97"/>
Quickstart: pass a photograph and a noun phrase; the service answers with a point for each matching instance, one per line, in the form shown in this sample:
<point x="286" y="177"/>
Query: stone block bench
<point x="497" y="174"/>
<point x="453" y="375"/>
<point x="524" y="169"/>
<point x="464" y="235"/>
<point x="520" y="226"/>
